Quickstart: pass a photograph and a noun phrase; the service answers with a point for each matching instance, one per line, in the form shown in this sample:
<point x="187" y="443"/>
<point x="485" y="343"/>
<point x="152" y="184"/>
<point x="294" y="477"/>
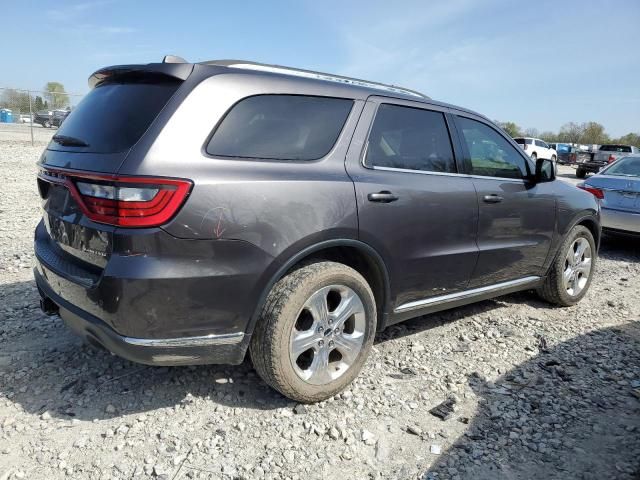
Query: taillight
<point x="124" y="201"/>
<point x="612" y="159"/>
<point x="596" y="192"/>
<point x="525" y="146"/>
<point x="572" y="157"/>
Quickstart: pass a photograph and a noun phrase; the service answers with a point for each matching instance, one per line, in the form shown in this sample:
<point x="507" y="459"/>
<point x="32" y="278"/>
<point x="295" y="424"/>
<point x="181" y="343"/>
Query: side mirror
<point x="545" y="171"/>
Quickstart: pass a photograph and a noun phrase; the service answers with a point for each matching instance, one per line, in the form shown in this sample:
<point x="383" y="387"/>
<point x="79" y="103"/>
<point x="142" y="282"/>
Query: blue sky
<point x="540" y="64"/>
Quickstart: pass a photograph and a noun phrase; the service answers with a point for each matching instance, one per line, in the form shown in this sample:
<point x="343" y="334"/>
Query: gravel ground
<point x="537" y="392"/>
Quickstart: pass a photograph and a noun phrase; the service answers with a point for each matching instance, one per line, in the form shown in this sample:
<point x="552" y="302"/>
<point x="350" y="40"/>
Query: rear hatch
<point x="83" y="198"/>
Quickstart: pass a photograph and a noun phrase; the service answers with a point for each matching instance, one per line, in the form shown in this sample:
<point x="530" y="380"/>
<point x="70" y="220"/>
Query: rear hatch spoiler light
<point x="180" y="71"/>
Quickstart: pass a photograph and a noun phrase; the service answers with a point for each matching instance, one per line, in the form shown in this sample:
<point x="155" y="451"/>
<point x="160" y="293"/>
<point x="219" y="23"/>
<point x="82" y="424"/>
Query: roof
<point x="311" y="74"/>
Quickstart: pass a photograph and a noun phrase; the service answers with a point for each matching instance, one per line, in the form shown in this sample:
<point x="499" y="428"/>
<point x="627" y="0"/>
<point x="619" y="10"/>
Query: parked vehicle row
<point x="604" y="156"/>
<point x="50" y="118"/>
<point x="295" y="216"/>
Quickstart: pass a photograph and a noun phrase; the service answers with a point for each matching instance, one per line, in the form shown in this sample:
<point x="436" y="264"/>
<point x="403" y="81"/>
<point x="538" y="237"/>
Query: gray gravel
<point x="535" y="392"/>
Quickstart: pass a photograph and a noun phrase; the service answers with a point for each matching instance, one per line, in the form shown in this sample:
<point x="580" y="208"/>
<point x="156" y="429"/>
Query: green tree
<point x="629" y="139"/>
<point x="56" y="95"/>
<point x="549" y="136"/>
<point x="571" y="133"/>
<point x="593" y="132"/>
<point x="511" y="128"/>
<point x="531" y="132"/>
<point x="16" y="100"/>
<point x="38" y="104"/>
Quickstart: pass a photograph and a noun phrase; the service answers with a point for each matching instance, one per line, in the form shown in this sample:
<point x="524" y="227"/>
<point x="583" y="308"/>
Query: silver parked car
<point x="618" y="188"/>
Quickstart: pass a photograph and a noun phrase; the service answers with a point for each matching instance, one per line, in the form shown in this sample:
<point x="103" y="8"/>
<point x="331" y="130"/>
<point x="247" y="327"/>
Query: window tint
<point x="491" y="154"/>
<point x="539" y="143"/>
<point x="113" y="116"/>
<point x="411" y="139"/>
<point x="520" y="141"/>
<point x="280" y="127"/>
<point x="615" y="148"/>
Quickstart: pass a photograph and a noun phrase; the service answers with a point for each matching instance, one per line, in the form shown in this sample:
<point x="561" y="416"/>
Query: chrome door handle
<point x="493" y="198"/>
<point x="382" y="197"/>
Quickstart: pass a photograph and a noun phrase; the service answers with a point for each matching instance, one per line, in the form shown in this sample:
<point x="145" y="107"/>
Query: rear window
<point x="114" y="115"/>
<point x="523" y="141"/>
<point x="280" y="127"/>
<point x="615" y="148"/>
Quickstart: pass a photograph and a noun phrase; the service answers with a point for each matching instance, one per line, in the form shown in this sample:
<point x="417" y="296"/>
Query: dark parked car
<point x="300" y="214"/>
<point x="567" y="154"/>
<point x="50" y="118"/>
<point x="605" y="155"/>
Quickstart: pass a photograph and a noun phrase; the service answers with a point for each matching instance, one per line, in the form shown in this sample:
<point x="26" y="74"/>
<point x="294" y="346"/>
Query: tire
<point x="534" y="156"/>
<point x="553" y="159"/>
<point x="46" y="125"/>
<point x="554" y="289"/>
<point x="287" y="315"/>
<point x="580" y="173"/>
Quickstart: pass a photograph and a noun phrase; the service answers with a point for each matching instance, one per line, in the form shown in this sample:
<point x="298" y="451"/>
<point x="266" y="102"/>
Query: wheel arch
<point x="356" y="254"/>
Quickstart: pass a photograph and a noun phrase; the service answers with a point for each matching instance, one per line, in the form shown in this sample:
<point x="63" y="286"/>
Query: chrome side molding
<point x="451" y="297"/>
<point x="204" y="341"/>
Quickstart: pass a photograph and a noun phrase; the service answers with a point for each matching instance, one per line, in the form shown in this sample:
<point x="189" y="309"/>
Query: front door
<point x="517" y="218"/>
<point x="413" y="206"/>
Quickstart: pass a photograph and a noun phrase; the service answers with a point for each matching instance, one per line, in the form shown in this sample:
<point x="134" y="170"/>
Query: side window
<point x="491" y="154"/>
<point x="540" y="144"/>
<point x="411" y="139"/>
<point x="280" y="127"/>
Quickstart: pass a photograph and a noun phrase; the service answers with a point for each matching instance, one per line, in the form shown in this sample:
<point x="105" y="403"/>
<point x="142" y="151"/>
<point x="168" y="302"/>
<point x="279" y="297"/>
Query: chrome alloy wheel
<point x="577" y="266"/>
<point x="328" y="334"/>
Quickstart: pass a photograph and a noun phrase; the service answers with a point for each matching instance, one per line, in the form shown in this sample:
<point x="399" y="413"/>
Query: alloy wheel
<point x="328" y="334"/>
<point x="577" y="266"/>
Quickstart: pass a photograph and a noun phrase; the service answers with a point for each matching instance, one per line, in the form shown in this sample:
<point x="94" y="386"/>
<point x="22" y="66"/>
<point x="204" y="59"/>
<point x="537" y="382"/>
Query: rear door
<point x="517" y="218"/>
<point x="413" y="206"/>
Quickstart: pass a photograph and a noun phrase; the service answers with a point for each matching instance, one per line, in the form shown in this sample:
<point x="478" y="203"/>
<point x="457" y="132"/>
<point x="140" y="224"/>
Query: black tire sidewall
<point x="575" y="233"/>
<point x="334" y="274"/>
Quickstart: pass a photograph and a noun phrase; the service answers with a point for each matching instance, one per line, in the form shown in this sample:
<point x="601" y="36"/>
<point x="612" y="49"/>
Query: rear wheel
<point x="534" y="156"/>
<point x="580" y="173"/>
<point x="315" y="331"/>
<point x="572" y="270"/>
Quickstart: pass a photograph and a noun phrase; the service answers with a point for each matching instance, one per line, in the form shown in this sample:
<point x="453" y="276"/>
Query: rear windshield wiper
<point x="68" y="141"/>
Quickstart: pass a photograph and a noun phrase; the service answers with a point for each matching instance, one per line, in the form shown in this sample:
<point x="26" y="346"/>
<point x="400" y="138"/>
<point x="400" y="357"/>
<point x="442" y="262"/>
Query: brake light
<point x="596" y="192"/>
<point x="612" y="159"/>
<point x="125" y="201"/>
<point x="525" y="146"/>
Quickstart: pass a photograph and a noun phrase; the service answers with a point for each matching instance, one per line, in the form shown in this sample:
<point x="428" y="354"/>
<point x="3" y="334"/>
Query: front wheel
<point x="315" y="331"/>
<point x="580" y="173"/>
<point x="572" y="270"/>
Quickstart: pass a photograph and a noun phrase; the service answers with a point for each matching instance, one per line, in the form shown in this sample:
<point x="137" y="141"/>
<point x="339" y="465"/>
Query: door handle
<point x="382" y="197"/>
<point x="493" y="198"/>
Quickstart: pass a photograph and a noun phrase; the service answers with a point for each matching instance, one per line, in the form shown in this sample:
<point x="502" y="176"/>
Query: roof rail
<point x="263" y="67"/>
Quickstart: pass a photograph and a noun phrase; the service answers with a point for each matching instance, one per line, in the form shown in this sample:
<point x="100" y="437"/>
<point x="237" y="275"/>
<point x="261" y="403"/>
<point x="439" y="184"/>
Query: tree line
<point x="586" y="133"/>
<point x="53" y="97"/>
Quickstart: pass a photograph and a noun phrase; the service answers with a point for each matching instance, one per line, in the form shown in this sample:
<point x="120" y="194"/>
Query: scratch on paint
<point x="218" y="230"/>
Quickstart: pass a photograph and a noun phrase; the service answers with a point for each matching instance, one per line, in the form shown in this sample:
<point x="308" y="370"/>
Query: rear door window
<point x="280" y="127"/>
<point x="410" y="139"/>
<point x="113" y="116"/>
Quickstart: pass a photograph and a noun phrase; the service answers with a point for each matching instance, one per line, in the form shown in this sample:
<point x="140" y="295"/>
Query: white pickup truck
<point x="605" y="155"/>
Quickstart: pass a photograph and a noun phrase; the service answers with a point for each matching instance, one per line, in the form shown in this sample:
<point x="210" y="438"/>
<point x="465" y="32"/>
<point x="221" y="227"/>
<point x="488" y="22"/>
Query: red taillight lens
<point x="596" y="192"/>
<point x="123" y="200"/>
<point x="611" y="159"/>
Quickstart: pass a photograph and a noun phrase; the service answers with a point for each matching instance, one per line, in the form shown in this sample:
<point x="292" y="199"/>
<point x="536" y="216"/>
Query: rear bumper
<point x="616" y="220"/>
<point x="222" y="348"/>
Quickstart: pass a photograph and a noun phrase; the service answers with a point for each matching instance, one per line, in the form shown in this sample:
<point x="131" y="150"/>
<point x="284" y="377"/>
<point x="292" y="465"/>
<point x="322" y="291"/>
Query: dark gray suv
<point x="228" y="206"/>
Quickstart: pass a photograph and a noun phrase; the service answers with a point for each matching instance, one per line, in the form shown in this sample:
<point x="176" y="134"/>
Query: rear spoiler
<point x="180" y="71"/>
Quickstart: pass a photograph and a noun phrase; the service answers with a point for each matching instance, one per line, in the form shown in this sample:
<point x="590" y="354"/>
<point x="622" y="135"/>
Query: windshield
<point x="113" y="116"/>
<point x="627" y="166"/>
<point x="615" y="148"/>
